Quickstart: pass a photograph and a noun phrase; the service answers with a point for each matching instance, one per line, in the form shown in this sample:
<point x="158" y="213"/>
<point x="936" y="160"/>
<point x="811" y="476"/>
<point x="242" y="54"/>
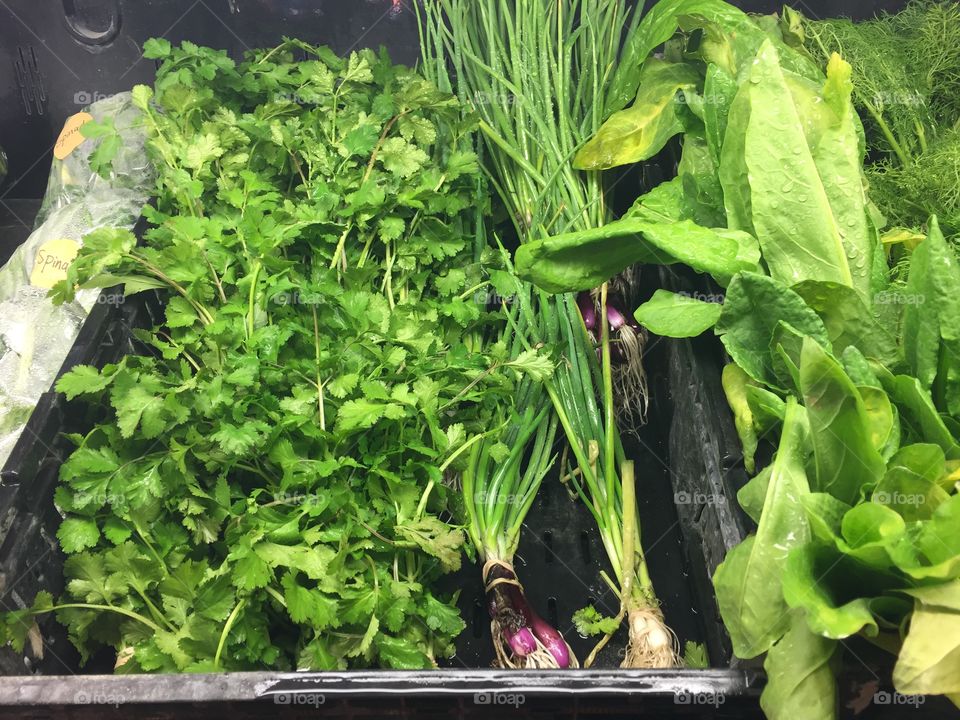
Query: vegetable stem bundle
<point x="542" y="77"/>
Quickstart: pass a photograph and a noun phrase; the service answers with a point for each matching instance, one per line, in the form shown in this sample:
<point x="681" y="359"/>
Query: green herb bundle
<point x="269" y="487"/>
<point x="849" y="366"/>
<point x="906" y="78"/>
<point x="542" y="77"/>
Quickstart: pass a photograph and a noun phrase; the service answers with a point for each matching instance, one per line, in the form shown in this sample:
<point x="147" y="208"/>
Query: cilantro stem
<point x="251" y="303"/>
<point x="465" y="295"/>
<point x="226" y="631"/>
<point x="473" y="383"/>
<point x="152" y="550"/>
<point x="422" y="506"/>
<point x="257" y="471"/>
<point x="205" y="317"/>
<point x="376" y="150"/>
<point x="339" y="249"/>
<point x="366" y="250"/>
<point x="216" y="278"/>
<point x="463" y="448"/>
<point x="109" y="608"/>
<point x="154" y="611"/>
<point x="299" y="169"/>
<point x="275" y="594"/>
<point x="270" y="54"/>
<point x="181" y="348"/>
<point x="316" y="347"/>
<point x="388" y="277"/>
<point x="373" y="531"/>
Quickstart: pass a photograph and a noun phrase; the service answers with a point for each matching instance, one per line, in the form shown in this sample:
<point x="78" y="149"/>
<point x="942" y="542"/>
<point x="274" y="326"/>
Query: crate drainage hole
<point x="552" y="615"/>
<point x="548" y="547"/>
<point x="585" y="547"/>
<point x="479" y="617"/>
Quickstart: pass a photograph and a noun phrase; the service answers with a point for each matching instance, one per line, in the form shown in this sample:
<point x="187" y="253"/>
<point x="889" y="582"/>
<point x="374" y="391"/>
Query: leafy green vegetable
<point x="675" y="315"/>
<point x="909" y="115"/>
<point x="800" y="676"/>
<point x="848" y="320"/>
<point x="269" y="486"/>
<point x="581" y="260"/>
<point x="932" y="321"/>
<point x="753" y="308"/>
<point x="653" y="30"/>
<point x="101" y="159"/>
<point x="641" y="131"/>
<point x="929" y="661"/>
<point x="847" y="461"/>
<point x="910" y="483"/>
<point x="780" y="168"/>
<point x="812" y="578"/>
<point x="831" y="323"/>
<point x="747" y="582"/>
<point x="589" y="621"/>
<point x="918" y="413"/>
<point x="735" y="383"/>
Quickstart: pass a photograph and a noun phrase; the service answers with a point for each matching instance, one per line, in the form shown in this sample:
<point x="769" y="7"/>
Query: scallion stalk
<point x="537" y="72"/>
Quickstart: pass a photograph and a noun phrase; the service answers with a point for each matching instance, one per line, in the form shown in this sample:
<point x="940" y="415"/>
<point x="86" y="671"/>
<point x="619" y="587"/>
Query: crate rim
<point x="32" y="690"/>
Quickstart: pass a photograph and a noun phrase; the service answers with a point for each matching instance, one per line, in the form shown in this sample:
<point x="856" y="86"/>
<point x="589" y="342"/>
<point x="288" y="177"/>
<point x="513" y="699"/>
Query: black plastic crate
<point x="58" y="55"/>
<point x="561" y="548"/>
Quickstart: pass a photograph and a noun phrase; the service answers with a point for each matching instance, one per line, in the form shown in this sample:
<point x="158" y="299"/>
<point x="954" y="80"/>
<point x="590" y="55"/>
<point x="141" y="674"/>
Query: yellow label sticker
<point x="70" y="137"/>
<point x="53" y="259"/>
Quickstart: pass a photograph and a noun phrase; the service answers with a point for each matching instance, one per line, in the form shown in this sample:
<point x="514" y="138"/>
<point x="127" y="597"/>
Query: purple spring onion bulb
<point x="588" y="310"/>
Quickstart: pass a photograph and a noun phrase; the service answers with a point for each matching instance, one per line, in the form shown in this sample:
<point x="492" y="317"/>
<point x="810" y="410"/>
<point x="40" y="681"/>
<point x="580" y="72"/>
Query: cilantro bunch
<point x="270" y="486"/>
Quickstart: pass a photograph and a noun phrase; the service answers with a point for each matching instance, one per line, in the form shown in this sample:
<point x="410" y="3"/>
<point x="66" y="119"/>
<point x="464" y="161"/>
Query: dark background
<point x="58" y="55"/>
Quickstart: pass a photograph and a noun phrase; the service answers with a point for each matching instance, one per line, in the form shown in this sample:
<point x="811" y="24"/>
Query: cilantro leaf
<point x="589" y="621"/>
<point x="400" y="654"/>
<point x="436" y="538"/>
<point x="82" y="379"/>
<point x="75" y="534"/>
<point x="401" y="158"/>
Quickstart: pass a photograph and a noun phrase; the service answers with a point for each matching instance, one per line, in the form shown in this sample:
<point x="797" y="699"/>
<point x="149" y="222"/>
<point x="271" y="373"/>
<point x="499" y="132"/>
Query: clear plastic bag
<point x="72" y="178"/>
<point x="35" y="334"/>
